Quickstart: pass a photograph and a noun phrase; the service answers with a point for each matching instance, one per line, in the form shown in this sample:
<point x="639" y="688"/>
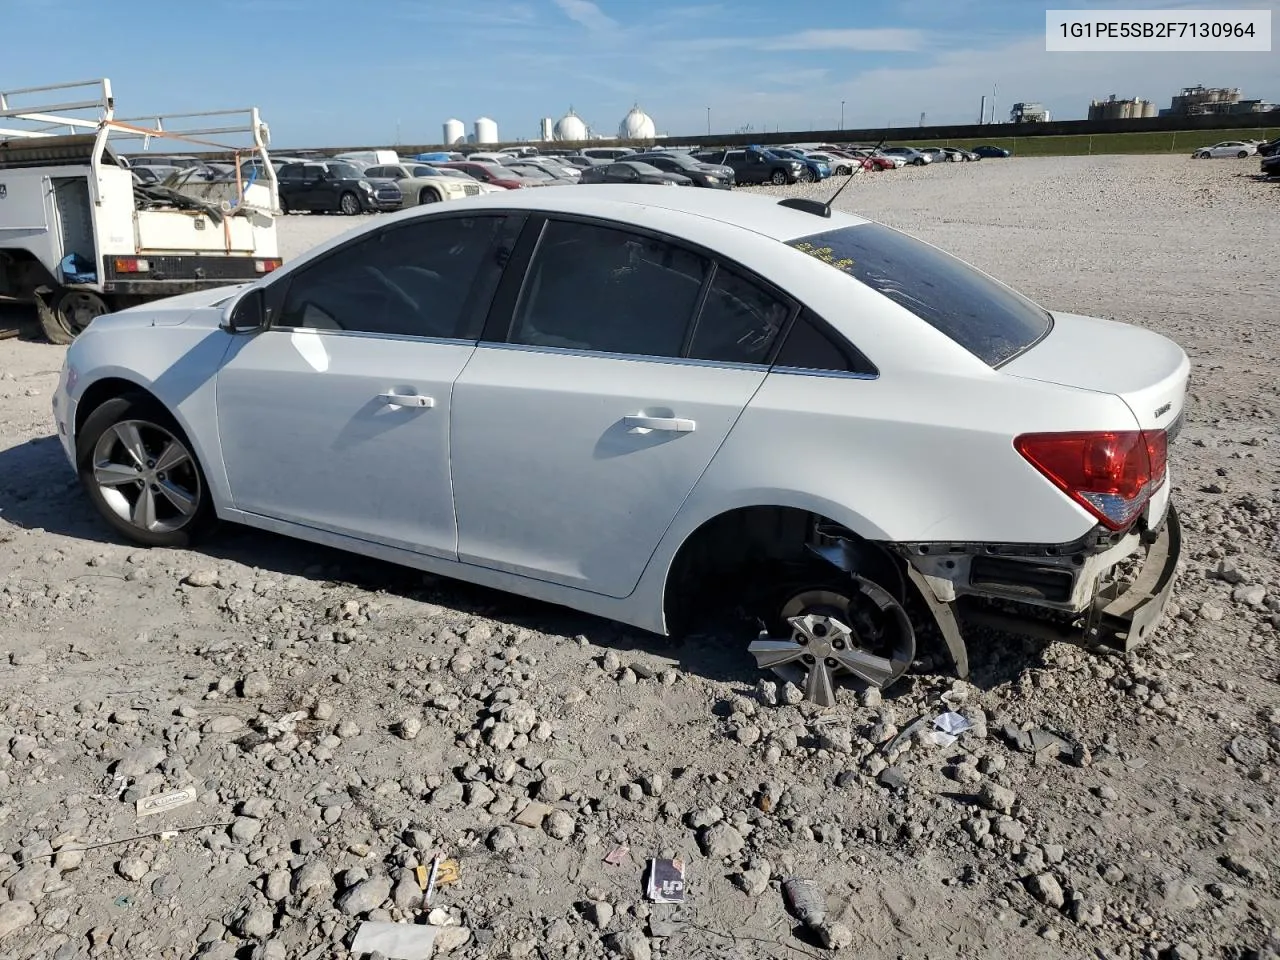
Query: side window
<point x="810" y="346"/>
<point x="739" y="323"/>
<point x="291" y="171"/>
<point x="734" y="156"/>
<point x="598" y="288"/>
<point x="417" y="280"/>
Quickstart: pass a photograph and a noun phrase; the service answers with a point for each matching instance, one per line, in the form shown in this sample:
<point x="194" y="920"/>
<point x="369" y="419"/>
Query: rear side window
<point x="739" y="322"/>
<point x="987" y="319"/>
<point x="811" y="345"/>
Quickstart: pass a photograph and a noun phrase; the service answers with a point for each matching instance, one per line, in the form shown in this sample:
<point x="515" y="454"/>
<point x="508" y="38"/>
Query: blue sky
<point x="345" y="71"/>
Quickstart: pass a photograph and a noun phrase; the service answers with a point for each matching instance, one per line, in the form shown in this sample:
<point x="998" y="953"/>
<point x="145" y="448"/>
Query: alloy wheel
<point x="146" y="476"/>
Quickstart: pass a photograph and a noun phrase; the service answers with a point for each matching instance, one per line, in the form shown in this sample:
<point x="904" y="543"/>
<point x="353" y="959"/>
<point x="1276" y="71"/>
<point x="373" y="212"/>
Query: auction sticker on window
<point x="1153" y="31"/>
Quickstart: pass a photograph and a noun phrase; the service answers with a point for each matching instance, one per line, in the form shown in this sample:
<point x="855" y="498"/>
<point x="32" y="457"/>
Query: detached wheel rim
<point x="76" y="309"/>
<point x="146" y="476"/>
<point x="862" y="631"/>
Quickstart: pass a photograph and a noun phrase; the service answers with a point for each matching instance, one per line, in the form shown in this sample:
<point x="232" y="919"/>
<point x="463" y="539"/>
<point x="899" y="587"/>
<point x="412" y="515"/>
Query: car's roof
<point x="757" y="213"/>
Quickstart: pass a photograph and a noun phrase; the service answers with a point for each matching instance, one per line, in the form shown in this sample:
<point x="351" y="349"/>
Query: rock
<point x="255" y="685"/>
<point x="870" y="697"/>
<point x="137" y="762"/>
<point x="166" y="885"/>
<point x="1247" y="867"/>
<point x="313" y="877"/>
<point x="1009" y="829"/>
<point x="1250" y="751"/>
<point x="254" y="922"/>
<point x="747" y="735"/>
<point x="1087" y="913"/>
<point x="834" y="936"/>
<point x="132" y="868"/>
<point x="501" y="736"/>
<point x="14" y="915"/>
<point x="791" y="694"/>
<point x="720" y="840"/>
<point x="893" y="778"/>
<point x="1045" y="888"/>
<point x="201" y="578"/>
<point x="1211" y="611"/>
<point x="1183" y="951"/>
<point x="705" y="817"/>
<point x="754" y="880"/>
<point x="449" y="939"/>
<point x="1228" y="571"/>
<point x="30" y="882"/>
<point x="630" y="945"/>
<point x="223" y="725"/>
<point x="409" y="728"/>
<point x="551" y="789"/>
<point x="1107" y="792"/>
<point x="502" y="839"/>
<point x="522" y="717"/>
<point x="997" y="798"/>
<point x="365" y="896"/>
<point x="276" y="886"/>
<point x="1253" y="595"/>
<point x="1178" y="895"/>
<point x="559" y="825"/>
<point x="559" y="932"/>
<point x="599" y="913"/>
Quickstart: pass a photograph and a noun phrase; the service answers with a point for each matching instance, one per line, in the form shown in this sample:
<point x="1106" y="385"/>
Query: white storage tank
<point x="486" y="131"/>
<point x="636" y="125"/>
<point x="454" y="132"/>
<point x="546" y="129"/>
<point x="571" y="128"/>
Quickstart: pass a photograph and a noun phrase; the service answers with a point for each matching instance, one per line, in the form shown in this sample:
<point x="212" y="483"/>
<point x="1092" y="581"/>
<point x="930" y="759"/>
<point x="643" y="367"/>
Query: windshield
<point x="983" y="316"/>
<point x="345" y="171"/>
<point x="501" y="172"/>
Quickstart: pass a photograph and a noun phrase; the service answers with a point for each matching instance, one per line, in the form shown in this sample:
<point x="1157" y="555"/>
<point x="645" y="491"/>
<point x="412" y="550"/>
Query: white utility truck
<point x="81" y="236"/>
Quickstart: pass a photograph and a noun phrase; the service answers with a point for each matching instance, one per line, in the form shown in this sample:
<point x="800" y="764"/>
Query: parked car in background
<point x="556" y="166"/>
<point x="702" y="174"/>
<point x="959" y="154"/>
<point x="369" y="157"/>
<point x="154" y="173"/>
<point x="1270" y="166"/>
<point x="422" y="183"/>
<point x="633" y="171"/>
<point x="879" y="160"/>
<point x="909" y="155"/>
<point x="841" y="164"/>
<point x="440" y="156"/>
<point x="607" y="153"/>
<point x="600" y="401"/>
<point x="1269" y="147"/>
<point x="466" y="178"/>
<point x="490" y="173"/>
<point x="1227" y="148"/>
<point x="581" y="162"/>
<point x="540" y="172"/>
<point x="753" y="165"/>
<point x="987" y="150"/>
<point x="333" y="187"/>
<point x="814" y="170"/>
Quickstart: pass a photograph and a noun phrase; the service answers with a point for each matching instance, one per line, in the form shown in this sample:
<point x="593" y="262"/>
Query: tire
<point x="1242" y="154"/>
<point x="843" y="171"/>
<point x="181" y="507"/>
<point x="284" y="207"/>
<point x="1202" y="155"/>
<point x="68" y="313"/>
<point x="917" y="162"/>
<point x="807" y="176"/>
<point x="349" y="204"/>
<point x="428" y="196"/>
<point x="778" y="178"/>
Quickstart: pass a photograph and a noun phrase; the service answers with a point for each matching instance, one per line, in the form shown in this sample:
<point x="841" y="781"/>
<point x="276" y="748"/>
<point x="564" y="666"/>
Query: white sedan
<point x="1228" y="148"/>
<point x="655" y="406"/>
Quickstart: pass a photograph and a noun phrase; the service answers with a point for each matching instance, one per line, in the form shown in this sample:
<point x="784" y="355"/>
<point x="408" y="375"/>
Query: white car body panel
<point x="1228" y="148"/>
<point x="543" y="409"/>
<point x="552" y="496"/>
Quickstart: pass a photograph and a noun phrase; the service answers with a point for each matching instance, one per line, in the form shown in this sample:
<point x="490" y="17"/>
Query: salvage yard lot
<point x="277" y="677"/>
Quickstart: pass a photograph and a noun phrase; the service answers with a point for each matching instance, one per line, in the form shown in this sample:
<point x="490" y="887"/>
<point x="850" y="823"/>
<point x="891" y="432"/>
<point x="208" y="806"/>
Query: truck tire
<point x="68" y="313"/>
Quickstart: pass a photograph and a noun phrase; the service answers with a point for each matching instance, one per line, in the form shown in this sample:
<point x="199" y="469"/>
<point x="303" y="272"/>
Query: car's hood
<point x="172" y="311"/>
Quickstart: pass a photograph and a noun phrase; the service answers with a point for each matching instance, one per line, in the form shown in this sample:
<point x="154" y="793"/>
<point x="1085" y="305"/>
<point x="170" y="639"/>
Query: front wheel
<point x="843" y="171"/>
<point x="68" y="313"/>
<point x="141" y="474"/>
<point x="779" y="178"/>
<point x="1242" y="154"/>
<point x="807" y="176"/>
<point x="428" y="196"/>
<point x="349" y="204"/>
<point x="1202" y="155"/>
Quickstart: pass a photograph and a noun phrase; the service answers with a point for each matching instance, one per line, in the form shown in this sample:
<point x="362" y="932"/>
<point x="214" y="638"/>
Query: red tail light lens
<point x="1111" y="474"/>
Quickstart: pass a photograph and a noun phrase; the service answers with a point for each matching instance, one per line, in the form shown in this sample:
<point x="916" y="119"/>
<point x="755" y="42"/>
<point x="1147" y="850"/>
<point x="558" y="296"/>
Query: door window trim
<point x="276" y="293"/>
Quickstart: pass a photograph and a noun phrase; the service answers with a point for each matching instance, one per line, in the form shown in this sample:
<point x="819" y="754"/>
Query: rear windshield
<point x="987" y="319"/>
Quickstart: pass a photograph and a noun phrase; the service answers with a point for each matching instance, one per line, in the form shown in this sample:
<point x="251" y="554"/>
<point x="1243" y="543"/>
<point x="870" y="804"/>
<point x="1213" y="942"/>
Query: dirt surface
<point x="340" y="720"/>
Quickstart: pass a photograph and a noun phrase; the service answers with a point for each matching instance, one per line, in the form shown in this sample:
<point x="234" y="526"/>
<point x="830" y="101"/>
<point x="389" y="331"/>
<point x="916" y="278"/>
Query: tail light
<point x="132" y="265"/>
<point x="1111" y="474"/>
<point x="267" y="266"/>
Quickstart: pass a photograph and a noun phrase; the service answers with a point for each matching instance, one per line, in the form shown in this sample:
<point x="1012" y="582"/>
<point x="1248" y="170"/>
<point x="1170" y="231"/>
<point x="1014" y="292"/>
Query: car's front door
<point x="577" y="438"/>
<point x="337" y="415"/>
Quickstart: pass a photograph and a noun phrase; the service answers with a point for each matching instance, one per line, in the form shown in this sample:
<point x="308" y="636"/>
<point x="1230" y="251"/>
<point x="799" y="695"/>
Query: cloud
<point x="588" y="14"/>
<point x="887" y="39"/>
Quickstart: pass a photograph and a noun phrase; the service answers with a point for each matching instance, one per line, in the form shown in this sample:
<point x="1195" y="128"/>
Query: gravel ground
<point x="340" y="720"/>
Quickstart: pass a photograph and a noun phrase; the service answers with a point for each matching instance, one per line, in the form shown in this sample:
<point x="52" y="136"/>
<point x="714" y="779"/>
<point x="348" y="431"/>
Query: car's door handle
<point x="674" y="424"/>
<point x="406" y="400"/>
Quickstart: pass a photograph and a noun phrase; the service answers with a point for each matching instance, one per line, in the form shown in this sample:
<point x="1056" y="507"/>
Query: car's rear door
<point x="625" y="360"/>
<point x="337" y="416"/>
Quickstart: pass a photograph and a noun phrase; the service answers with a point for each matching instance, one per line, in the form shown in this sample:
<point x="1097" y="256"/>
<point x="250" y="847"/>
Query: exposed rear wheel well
<point x="729" y="560"/>
<point x="99" y="392"/>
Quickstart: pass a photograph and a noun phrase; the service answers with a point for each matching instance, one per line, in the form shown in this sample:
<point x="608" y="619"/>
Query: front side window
<point x="423" y="279"/>
<point x="986" y="318"/>
<point x="603" y="289"/>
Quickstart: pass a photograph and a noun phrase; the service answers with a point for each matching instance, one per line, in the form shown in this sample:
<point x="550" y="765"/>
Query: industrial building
<point x="1113" y="109"/>
<point x="1200" y="100"/>
<point x="1029" y="112"/>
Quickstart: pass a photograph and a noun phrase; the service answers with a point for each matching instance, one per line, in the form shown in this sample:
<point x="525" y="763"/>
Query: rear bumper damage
<point x="1107" y="589"/>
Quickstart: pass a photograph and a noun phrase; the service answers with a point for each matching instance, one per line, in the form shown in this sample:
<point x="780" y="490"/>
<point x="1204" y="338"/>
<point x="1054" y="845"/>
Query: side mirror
<point x="247" y="313"/>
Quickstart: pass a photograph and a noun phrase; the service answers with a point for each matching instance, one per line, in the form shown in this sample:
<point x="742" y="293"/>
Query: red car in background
<point x="872" y="161"/>
<point x="492" y="173"/>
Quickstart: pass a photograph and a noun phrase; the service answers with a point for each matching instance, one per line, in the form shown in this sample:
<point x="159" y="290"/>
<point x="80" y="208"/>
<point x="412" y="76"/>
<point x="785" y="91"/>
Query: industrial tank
<point x="546" y="129"/>
<point x="570" y="127"/>
<point x="454" y="132"/>
<point x="486" y="131"/>
<point x="636" y="125"/>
